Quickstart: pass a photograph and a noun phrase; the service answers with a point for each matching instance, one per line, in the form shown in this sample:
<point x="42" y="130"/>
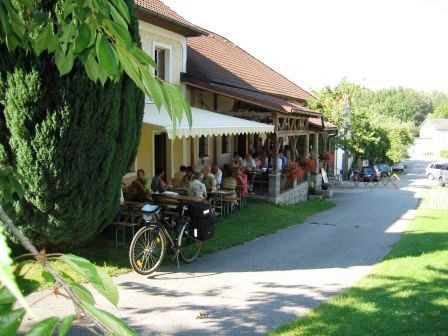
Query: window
<point x="162" y="59"/>
<point x="203" y="146"/>
<point x="224" y="144"/>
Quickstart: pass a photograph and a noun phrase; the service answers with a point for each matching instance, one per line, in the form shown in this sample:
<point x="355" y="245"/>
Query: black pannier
<point x="202" y="220"/>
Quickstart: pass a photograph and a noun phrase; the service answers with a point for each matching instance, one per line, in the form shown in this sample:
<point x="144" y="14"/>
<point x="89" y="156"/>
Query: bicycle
<point x="149" y="245"/>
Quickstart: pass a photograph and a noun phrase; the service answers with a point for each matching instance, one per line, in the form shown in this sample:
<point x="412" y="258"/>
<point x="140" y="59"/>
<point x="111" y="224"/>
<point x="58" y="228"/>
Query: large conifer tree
<point x="70" y="140"/>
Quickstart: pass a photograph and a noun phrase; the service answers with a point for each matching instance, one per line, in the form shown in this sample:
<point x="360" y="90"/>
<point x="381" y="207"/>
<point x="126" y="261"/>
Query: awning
<point x="204" y="123"/>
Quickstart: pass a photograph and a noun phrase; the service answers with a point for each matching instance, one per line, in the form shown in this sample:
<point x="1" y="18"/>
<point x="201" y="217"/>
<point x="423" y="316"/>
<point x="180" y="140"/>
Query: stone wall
<point x="295" y="195"/>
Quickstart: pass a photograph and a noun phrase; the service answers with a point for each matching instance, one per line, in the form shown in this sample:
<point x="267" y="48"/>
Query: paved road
<point x="252" y="288"/>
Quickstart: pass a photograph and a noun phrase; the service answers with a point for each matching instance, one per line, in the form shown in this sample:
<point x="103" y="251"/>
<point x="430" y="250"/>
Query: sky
<point x="314" y="43"/>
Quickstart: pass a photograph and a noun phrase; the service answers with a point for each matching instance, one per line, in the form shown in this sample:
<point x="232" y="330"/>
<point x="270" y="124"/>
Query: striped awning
<point x="205" y="123"/>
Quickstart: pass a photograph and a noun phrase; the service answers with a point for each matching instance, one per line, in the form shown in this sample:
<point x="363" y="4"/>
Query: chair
<point x="125" y="219"/>
<point x="242" y="197"/>
<point x="230" y="200"/>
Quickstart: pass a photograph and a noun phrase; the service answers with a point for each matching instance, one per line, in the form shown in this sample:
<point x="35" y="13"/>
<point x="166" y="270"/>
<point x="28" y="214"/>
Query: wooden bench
<point x="127" y="218"/>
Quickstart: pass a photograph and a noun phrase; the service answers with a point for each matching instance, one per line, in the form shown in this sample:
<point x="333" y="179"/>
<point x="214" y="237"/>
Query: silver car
<point x="432" y="171"/>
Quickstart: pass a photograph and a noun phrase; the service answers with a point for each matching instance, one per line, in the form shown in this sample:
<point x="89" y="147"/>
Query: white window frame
<point x="168" y="60"/>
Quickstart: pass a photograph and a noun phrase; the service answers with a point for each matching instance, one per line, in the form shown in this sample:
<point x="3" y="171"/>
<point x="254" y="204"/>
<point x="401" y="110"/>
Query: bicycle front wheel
<point x="147" y="250"/>
<point x="189" y="246"/>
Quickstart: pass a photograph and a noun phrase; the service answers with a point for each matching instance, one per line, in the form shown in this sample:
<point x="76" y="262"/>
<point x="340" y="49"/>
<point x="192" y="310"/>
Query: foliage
<point x="95" y="33"/>
<point x="440" y="112"/>
<point x="403" y="104"/>
<point x="12" y="302"/>
<point x="70" y="153"/>
<point x="345" y="107"/>
<point x="444" y="154"/>
<point x="378" y="126"/>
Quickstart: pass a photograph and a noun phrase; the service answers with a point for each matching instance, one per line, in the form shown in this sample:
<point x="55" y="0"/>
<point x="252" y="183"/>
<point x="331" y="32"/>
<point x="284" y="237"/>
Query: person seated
<point x="236" y="161"/>
<point x="217" y="173"/>
<point x="187" y="177"/>
<point x="177" y="179"/>
<point x="241" y="181"/>
<point x="196" y="187"/>
<point x="249" y="162"/>
<point x="158" y="183"/>
<point x="137" y="191"/>
<point x="209" y="179"/>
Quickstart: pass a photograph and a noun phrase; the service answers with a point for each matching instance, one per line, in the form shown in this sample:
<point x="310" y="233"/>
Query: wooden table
<point x="216" y="200"/>
<point x="172" y="203"/>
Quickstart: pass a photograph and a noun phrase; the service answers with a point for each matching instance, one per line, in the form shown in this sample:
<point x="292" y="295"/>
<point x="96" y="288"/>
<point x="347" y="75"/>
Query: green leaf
<point x="123" y="9"/>
<point x="69" y="7"/>
<point x="7" y="278"/>
<point x="109" y="321"/>
<point x="152" y="86"/>
<point x="118" y="18"/>
<point x="18" y="25"/>
<point x="44" y="328"/>
<point x="106" y="55"/>
<point x="64" y="62"/>
<point x="102" y="282"/>
<point x="42" y="41"/>
<point x="65" y="325"/>
<point x="48" y="276"/>
<point x="120" y="34"/>
<point x="82" y="293"/>
<point x="91" y="66"/>
<point x="92" y="27"/>
<point x="6" y="297"/>
<point x="10" y="320"/>
<point x="143" y="57"/>
<point x="83" y="39"/>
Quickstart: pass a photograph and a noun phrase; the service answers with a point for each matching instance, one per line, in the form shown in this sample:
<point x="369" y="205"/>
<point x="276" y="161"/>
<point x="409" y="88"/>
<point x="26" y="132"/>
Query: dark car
<point x="370" y="173"/>
<point x="384" y="169"/>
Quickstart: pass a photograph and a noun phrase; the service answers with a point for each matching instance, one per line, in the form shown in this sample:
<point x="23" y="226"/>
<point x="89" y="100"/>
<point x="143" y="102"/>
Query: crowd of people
<point x="210" y="177"/>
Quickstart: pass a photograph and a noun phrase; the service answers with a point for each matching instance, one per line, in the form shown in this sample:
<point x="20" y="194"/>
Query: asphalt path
<point x="255" y="287"/>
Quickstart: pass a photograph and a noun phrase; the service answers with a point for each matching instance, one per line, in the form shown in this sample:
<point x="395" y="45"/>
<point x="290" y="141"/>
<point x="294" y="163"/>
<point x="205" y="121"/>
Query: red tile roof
<point x="214" y="59"/>
<point x="150" y="10"/>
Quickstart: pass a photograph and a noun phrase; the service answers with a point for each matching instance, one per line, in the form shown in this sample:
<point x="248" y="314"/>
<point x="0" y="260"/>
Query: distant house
<point x="434" y="136"/>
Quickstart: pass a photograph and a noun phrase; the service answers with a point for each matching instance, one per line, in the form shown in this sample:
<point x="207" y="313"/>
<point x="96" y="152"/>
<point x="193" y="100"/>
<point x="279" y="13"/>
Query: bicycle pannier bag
<point x="202" y="220"/>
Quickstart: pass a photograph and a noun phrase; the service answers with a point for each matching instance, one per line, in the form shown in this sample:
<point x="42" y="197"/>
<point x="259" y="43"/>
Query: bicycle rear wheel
<point x="189" y="246"/>
<point x="147" y="250"/>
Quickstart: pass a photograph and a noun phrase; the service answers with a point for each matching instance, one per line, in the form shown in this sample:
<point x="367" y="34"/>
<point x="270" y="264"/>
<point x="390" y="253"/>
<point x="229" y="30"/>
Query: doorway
<point x="160" y="141"/>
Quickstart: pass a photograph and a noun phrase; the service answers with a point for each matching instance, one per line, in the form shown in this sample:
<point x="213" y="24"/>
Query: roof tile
<point x="217" y="60"/>
<point x="160" y="9"/>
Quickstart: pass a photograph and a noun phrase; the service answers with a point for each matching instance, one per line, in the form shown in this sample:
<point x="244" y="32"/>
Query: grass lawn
<point x="258" y="218"/>
<point x="406" y="293"/>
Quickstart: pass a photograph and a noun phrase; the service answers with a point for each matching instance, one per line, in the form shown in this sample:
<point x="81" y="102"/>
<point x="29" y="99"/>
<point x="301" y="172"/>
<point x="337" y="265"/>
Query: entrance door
<point x="160" y="141"/>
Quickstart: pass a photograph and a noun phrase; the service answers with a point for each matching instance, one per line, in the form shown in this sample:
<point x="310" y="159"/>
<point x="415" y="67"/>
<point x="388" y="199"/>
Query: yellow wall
<point x="152" y="36"/>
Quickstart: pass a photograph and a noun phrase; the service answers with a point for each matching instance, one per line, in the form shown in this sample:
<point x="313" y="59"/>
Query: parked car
<point x="370" y="173"/>
<point x="432" y="171"/>
<point x="442" y="173"/>
<point x="398" y="166"/>
<point x="384" y="169"/>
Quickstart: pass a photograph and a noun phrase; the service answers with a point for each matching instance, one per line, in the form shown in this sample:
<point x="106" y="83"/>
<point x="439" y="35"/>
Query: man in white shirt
<point x="217" y="173"/>
<point x="280" y="162"/>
